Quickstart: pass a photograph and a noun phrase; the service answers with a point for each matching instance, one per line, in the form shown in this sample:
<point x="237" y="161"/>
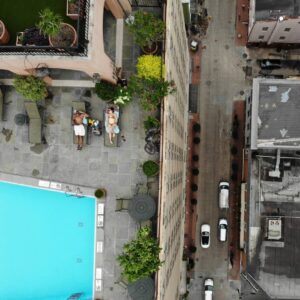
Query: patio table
<point x="141" y="289"/>
<point x="142" y="207"/>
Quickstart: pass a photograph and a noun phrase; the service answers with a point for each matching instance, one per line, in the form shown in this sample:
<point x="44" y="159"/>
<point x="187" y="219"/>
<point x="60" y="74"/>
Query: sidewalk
<point x="242" y="21"/>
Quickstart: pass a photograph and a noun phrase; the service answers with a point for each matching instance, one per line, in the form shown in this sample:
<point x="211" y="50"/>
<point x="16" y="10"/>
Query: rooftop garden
<point x="21" y="16"/>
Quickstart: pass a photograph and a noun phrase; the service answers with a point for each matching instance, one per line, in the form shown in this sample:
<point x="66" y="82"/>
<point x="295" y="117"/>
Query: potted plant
<point x="100" y="193"/>
<point x="20" y="39"/>
<point x="73" y="9"/>
<point x="147" y="29"/>
<point x="60" y="34"/>
<point x="150" y="91"/>
<point x="106" y="91"/>
<point x="140" y="257"/>
<point x="150" y="66"/>
<point x="30" y="87"/>
<point x="4" y="35"/>
<point x="151" y="122"/>
<point x="150" y="168"/>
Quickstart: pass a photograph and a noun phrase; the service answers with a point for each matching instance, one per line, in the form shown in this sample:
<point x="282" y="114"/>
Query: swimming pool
<point x="46" y="244"/>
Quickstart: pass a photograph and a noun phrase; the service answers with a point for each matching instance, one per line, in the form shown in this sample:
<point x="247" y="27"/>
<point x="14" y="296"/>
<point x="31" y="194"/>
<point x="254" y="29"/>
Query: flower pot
<point x="67" y="37"/>
<point x="150" y="50"/>
<point x="73" y="9"/>
<point x="100" y="193"/>
<point x="4" y="35"/>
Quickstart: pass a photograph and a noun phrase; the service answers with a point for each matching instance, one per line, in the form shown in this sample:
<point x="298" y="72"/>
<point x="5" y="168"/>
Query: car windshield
<point x="224" y="187"/>
<point x="208" y="288"/>
<point x="205" y="237"/>
<point x="223" y="226"/>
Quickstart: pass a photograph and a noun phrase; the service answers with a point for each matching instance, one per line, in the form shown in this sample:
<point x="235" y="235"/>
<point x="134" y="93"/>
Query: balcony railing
<point x="81" y="49"/>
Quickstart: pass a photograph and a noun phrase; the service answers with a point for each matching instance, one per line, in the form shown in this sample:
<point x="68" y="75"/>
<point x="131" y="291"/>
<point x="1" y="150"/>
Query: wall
<point x="173" y="155"/>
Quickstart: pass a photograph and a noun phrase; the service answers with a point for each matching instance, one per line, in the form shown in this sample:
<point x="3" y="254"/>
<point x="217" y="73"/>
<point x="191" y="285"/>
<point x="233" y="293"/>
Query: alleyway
<point x="222" y="82"/>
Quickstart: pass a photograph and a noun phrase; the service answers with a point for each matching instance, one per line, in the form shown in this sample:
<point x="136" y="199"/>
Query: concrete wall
<point x="173" y="155"/>
<point x="96" y="62"/>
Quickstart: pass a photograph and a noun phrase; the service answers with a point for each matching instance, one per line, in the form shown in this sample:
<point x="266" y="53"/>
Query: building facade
<point x="88" y="56"/>
<point x="171" y="210"/>
<point x="274" y="22"/>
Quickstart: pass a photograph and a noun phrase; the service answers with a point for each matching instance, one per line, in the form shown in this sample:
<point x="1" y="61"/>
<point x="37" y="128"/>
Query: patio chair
<point x="35" y="122"/>
<point x="122" y="282"/>
<point x="80" y="106"/>
<point x="122" y="204"/>
<point x="116" y="140"/>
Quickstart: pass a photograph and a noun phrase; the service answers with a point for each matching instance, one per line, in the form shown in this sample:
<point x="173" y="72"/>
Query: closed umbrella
<point x="142" y="207"/>
<point x="141" y="289"/>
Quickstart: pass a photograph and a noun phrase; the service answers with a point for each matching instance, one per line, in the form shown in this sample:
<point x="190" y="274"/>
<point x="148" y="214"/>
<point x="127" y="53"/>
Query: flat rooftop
<point x="275" y="114"/>
<point x="274" y="263"/>
<point x="272" y="9"/>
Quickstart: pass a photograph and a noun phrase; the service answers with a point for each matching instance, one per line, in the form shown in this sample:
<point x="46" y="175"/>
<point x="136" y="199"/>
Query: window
<point x="261" y="37"/>
<point x="287" y="29"/>
<point x="265" y="28"/>
<point x="282" y="38"/>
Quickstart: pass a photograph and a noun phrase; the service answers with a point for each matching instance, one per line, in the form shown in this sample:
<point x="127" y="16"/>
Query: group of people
<point x="80" y="119"/>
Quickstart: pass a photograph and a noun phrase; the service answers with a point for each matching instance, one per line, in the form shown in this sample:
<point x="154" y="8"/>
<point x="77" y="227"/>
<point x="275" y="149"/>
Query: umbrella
<point x="142" y="207"/>
<point x="141" y="289"/>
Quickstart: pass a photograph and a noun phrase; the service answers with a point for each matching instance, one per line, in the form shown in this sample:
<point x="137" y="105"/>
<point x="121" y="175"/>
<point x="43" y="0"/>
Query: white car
<point x="205" y="236"/>
<point x="223" y="225"/>
<point x="208" y="288"/>
<point x="223" y="194"/>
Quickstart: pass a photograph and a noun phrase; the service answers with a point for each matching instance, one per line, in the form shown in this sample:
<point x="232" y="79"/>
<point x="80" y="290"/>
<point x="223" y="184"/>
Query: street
<point x="222" y="80"/>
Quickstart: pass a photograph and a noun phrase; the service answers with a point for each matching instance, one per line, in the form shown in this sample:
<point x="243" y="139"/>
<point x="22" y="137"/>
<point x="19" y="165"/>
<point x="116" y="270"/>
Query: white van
<point x="208" y="288"/>
<point x="223" y="194"/>
<point x="223" y="224"/>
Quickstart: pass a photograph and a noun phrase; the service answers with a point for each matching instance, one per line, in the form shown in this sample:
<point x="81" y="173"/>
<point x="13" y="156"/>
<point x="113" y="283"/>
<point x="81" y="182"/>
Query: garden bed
<point x="19" y="15"/>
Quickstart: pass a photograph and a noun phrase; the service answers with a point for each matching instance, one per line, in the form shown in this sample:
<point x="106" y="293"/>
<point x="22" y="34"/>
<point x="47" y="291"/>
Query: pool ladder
<point x="70" y="193"/>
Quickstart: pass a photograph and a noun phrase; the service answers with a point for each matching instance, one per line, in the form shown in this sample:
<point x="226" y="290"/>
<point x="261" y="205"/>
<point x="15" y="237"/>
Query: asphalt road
<point x="222" y="79"/>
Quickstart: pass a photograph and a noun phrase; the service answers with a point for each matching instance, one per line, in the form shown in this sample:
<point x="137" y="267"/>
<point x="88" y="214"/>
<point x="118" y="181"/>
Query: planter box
<point x="71" y="7"/>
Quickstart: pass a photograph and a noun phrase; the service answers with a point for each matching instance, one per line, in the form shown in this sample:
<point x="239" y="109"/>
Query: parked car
<point x="205" y="236"/>
<point x="270" y="64"/>
<point x="223" y="225"/>
<point x="208" y="288"/>
<point x="223" y="194"/>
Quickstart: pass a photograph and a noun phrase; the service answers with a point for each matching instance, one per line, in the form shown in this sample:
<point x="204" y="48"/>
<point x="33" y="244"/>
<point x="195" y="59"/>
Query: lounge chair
<point x="35" y="122"/>
<point x="116" y="139"/>
<point x="122" y="204"/>
<point x="80" y="106"/>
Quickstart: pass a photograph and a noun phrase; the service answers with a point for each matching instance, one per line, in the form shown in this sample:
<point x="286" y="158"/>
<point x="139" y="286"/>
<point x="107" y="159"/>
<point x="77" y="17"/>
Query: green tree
<point x="140" y="257"/>
<point x="107" y="91"/>
<point x="49" y="23"/>
<point x="150" y="66"/>
<point x="146" y="28"/>
<point x="30" y="87"/>
<point x="150" y="91"/>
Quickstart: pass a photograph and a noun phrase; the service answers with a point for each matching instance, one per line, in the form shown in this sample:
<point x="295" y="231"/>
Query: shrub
<point x="195" y="158"/>
<point x="234" y="166"/>
<point x="234" y="150"/>
<point x="123" y="97"/>
<point x="196" y="127"/>
<point x="194" y="187"/>
<point x="151" y="122"/>
<point x="194" y="201"/>
<point x="234" y="177"/>
<point x="49" y="23"/>
<point x="106" y="91"/>
<point x="150" y="168"/>
<point x="140" y="257"/>
<point x="150" y="91"/>
<point x="100" y="193"/>
<point x="150" y="66"/>
<point x="193" y="249"/>
<point x="196" y="140"/>
<point x="146" y="28"/>
<point x="195" y="171"/>
<point x="30" y="87"/>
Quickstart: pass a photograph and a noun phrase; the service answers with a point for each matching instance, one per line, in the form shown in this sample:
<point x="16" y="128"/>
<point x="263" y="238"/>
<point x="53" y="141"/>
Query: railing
<point x="80" y="50"/>
<point x="146" y="3"/>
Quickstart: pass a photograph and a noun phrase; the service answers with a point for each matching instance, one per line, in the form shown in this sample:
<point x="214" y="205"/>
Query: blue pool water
<point x="46" y="244"/>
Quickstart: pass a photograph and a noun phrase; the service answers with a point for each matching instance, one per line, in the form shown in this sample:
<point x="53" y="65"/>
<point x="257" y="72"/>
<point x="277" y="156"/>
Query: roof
<point x="275" y="114"/>
<point x="272" y="9"/>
